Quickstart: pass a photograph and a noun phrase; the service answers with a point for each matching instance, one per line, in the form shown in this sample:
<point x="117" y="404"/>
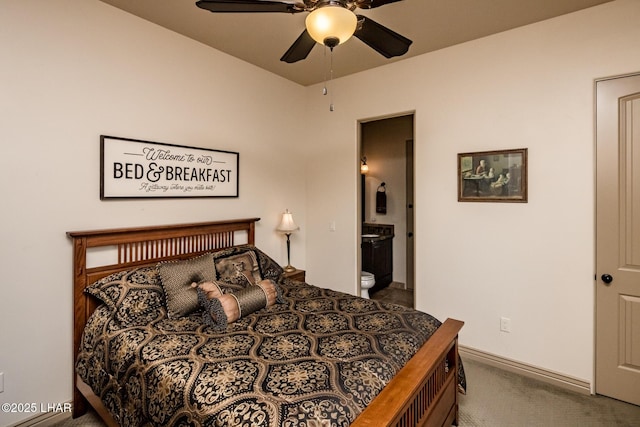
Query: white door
<point x="618" y="238"/>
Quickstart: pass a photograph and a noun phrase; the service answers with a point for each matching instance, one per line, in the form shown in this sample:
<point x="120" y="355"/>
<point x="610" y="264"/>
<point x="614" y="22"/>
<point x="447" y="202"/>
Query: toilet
<point x="367" y="280"/>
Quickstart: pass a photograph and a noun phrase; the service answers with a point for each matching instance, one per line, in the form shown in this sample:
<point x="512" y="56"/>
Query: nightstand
<point x="298" y="275"/>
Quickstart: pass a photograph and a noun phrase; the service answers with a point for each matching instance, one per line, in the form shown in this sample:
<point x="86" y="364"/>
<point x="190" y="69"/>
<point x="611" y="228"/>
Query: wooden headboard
<point x="142" y="246"/>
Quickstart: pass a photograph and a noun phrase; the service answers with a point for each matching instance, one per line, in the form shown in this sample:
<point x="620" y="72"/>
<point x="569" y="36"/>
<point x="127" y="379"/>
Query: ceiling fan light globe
<point x="331" y="22"/>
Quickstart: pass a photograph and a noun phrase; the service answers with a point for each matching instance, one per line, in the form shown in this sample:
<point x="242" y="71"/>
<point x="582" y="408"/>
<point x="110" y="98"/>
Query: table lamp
<point x="287" y="226"/>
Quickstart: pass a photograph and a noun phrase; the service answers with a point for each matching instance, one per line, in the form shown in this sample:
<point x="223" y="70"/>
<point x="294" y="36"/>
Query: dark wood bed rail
<point x="428" y="385"/>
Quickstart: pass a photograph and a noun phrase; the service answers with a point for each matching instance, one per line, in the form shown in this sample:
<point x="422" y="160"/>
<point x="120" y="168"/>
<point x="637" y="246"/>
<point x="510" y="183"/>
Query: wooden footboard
<point x="424" y="392"/>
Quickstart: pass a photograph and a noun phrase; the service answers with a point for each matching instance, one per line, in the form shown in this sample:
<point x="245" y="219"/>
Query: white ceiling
<point x="262" y="38"/>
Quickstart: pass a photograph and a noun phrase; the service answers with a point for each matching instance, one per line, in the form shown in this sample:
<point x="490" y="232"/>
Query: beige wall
<point x="72" y="70"/>
<point x="530" y="87"/>
<point x="75" y="69"/>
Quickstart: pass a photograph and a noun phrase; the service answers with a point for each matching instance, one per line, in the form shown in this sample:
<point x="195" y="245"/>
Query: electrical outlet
<point x="1" y="382"/>
<point x="332" y="226"/>
<point x="505" y="324"/>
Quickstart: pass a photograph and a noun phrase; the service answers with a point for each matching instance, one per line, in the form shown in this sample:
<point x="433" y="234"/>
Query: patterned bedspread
<point x="317" y="359"/>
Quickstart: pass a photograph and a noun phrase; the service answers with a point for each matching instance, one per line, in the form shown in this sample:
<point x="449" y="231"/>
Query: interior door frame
<point x="410" y="214"/>
<point x="360" y="196"/>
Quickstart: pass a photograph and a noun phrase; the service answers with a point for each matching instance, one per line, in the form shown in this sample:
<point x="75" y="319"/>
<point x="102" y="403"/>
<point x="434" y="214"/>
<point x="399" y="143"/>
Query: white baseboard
<point x="45" y="419"/>
<point x="530" y="371"/>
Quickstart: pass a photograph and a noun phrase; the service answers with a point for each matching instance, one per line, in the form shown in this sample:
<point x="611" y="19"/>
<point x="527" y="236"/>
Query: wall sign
<point x="131" y="168"/>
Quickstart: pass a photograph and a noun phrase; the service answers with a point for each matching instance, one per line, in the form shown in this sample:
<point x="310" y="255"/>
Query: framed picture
<point x="493" y="176"/>
<point x="131" y="168"/>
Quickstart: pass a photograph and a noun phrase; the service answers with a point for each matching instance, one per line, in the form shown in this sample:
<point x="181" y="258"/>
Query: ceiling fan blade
<point x="380" y="38"/>
<point x="370" y="4"/>
<point x="299" y="49"/>
<point x="247" y="6"/>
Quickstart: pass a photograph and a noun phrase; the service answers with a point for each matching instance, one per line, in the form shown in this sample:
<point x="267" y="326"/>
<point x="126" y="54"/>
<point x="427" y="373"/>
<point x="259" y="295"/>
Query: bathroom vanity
<point x="377" y="253"/>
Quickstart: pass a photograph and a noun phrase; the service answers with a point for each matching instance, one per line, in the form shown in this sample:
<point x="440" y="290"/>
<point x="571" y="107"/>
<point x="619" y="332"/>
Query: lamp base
<point x="289" y="269"/>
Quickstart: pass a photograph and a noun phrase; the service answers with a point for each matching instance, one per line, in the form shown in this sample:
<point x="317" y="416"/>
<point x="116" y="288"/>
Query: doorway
<point x="387" y="146"/>
<point x="618" y="238"/>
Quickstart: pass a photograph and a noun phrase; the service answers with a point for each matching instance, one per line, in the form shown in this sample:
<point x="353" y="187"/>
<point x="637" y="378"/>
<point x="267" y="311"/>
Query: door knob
<point x="607" y="278"/>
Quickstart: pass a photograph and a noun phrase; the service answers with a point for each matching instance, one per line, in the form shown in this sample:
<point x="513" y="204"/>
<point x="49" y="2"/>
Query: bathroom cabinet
<point x="377" y="258"/>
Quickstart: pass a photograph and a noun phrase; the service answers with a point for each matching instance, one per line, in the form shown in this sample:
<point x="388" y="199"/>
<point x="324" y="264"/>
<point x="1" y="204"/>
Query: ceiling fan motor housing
<point x="310" y="5"/>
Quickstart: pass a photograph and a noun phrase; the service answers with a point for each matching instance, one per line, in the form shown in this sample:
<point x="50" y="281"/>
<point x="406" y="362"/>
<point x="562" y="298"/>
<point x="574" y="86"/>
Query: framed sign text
<point x="131" y="168"/>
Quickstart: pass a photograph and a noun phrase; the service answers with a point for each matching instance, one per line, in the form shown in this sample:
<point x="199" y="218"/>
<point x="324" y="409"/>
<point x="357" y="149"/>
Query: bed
<point x="349" y="360"/>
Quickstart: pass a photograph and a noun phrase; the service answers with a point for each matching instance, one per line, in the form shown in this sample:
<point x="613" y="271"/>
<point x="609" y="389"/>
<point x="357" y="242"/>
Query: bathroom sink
<point x="369" y="236"/>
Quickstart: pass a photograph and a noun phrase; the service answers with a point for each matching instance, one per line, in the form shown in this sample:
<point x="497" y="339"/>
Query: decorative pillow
<point x="239" y="269"/>
<point x="131" y="293"/>
<point x="177" y="277"/>
<point x="227" y="308"/>
<point x="269" y="269"/>
<point x="210" y="289"/>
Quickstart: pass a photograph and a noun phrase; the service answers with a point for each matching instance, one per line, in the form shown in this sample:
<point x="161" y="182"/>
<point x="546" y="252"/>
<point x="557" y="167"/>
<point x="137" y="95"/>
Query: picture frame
<point x="493" y="176"/>
<point x="133" y="168"/>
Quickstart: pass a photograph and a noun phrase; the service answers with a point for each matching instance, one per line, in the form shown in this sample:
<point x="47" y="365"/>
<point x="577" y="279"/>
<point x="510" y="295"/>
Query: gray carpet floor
<point x="496" y="398"/>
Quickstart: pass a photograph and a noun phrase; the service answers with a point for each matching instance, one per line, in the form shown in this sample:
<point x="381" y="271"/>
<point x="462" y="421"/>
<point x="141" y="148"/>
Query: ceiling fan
<point x="330" y="22"/>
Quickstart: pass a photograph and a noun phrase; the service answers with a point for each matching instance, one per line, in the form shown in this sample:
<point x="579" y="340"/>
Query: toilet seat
<point x="367" y="280"/>
<point x="366" y="275"/>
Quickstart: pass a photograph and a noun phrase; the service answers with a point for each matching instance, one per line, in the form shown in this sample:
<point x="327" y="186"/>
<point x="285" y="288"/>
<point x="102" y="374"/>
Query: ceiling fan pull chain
<point x="331" y="81"/>
<point x="324" y="89"/>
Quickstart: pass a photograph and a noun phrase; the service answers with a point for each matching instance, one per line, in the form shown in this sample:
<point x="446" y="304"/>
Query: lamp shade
<point x="287" y="225"/>
<point x="331" y="22"/>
